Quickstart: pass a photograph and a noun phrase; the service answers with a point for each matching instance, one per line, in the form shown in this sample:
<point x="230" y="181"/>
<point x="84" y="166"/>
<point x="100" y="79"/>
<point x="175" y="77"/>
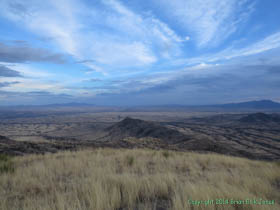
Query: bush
<point x="165" y="154"/>
<point x="6" y="164"/>
<point x="4" y="158"/>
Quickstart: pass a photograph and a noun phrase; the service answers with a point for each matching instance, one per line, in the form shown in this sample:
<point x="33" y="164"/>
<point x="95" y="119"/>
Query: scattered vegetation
<point x="165" y="154"/>
<point x="107" y="179"/>
<point x="6" y="164"/>
<point x="129" y="160"/>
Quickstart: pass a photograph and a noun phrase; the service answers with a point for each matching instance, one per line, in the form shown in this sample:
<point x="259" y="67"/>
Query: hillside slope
<point x="110" y="179"/>
<point x="137" y="133"/>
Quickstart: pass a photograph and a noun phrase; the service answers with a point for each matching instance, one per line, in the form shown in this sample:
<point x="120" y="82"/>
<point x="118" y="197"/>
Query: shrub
<point x="6" y="164"/>
<point x="165" y="154"/>
<point x="4" y="158"/>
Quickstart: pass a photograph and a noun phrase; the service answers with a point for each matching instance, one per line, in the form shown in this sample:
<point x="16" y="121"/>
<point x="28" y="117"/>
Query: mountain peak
<point x="261" y="104"/>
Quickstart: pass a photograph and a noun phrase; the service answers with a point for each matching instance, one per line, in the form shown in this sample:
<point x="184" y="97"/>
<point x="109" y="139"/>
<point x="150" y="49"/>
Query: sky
<point x="139" y="52"/>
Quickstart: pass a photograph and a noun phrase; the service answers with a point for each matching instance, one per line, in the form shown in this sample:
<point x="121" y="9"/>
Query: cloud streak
<point x="23" y="53"/>
<point x="212" y="21"/>
<point x="7" y="72"/>
<point x="6" y="84"/>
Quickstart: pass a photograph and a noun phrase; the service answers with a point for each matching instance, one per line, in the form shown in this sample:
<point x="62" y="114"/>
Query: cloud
<point x="44" y="93"/>
<point x="174" y="51"/>
<point x="23" y="53"/>
<point x="215" y="84"/>
<point x="263" y="50"/>
<point x="270" y="42"/>
<point x="135" y="53"/>
<point x="212" y="21"/>
<point x="86" y="61"/>
<point x="92" y="80"/>
<point x="6" y="84"/>
<point x="33" y="98"/>
<point x="108" y="32"/>
<point x="7" y="72"/>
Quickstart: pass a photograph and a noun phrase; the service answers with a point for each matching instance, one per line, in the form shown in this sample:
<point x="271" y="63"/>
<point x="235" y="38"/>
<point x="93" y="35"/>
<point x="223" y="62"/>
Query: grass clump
<point x="6" y="164"/>
<point x="130" y="160"/>
<point x="166" y="154"/>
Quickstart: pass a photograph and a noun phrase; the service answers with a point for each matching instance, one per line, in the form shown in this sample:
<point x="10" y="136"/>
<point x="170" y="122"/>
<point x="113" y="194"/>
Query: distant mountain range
<point x="260" y="105"/>
<point x="249" y="105"/>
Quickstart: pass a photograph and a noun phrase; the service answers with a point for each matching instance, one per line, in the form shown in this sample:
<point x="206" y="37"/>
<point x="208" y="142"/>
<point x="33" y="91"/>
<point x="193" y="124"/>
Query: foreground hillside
<point x="105" y="179"/>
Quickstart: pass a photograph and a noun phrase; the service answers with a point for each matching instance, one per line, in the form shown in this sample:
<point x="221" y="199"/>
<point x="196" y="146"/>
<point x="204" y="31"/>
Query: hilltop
<point x="130" y="127"/>
<point x="110" y="179"/>
<point x="130" y="133"/>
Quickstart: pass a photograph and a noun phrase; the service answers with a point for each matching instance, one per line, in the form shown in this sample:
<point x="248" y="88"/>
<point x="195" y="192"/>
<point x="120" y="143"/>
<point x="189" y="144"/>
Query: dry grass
<point x="105" y="179"/>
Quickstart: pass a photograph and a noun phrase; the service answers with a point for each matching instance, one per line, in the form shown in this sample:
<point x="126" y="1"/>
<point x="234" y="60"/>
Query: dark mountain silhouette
<point x="262" y="104"/>
<point x="74" y="104"/>
<point x="261" y="118"/>
<point x="249" y="105"/>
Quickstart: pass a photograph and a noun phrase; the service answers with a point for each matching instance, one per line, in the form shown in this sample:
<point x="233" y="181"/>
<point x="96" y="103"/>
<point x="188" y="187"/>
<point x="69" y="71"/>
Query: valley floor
<point x="104" y="179"/>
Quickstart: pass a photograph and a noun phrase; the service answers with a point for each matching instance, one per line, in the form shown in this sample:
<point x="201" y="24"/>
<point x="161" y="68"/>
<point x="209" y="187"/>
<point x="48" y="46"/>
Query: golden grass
<point x="105" y="179"/>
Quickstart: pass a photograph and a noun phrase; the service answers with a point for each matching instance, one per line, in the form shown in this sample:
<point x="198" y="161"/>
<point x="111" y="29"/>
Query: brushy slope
<point x="105" y="179"/>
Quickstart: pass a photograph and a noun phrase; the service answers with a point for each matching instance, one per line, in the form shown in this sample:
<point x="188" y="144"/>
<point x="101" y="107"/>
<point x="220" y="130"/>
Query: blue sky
<point x="116" y="52"/>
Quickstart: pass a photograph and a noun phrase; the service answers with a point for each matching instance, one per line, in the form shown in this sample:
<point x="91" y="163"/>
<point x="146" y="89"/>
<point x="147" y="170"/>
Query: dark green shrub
<point x="6" y="164"/>
<point x="165" y="154"/>
<point x="4" y="158"/>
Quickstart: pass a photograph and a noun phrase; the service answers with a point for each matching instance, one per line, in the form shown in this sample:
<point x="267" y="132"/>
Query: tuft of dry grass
<point x="105" y="179"/>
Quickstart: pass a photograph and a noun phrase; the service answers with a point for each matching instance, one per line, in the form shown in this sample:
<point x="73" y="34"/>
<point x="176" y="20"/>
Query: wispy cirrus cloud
<point x="211" y="21"/>
<point x="259" y="47"/>
<point x="268" y="43"/>
<point x="153" y="50"/>
<point x="110" y="35"/>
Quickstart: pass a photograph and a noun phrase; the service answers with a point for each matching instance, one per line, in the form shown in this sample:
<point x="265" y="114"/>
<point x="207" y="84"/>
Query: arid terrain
<point x="252" y="135"/>
<point x="139" y="105"/>
<point x="124" y="160"/>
